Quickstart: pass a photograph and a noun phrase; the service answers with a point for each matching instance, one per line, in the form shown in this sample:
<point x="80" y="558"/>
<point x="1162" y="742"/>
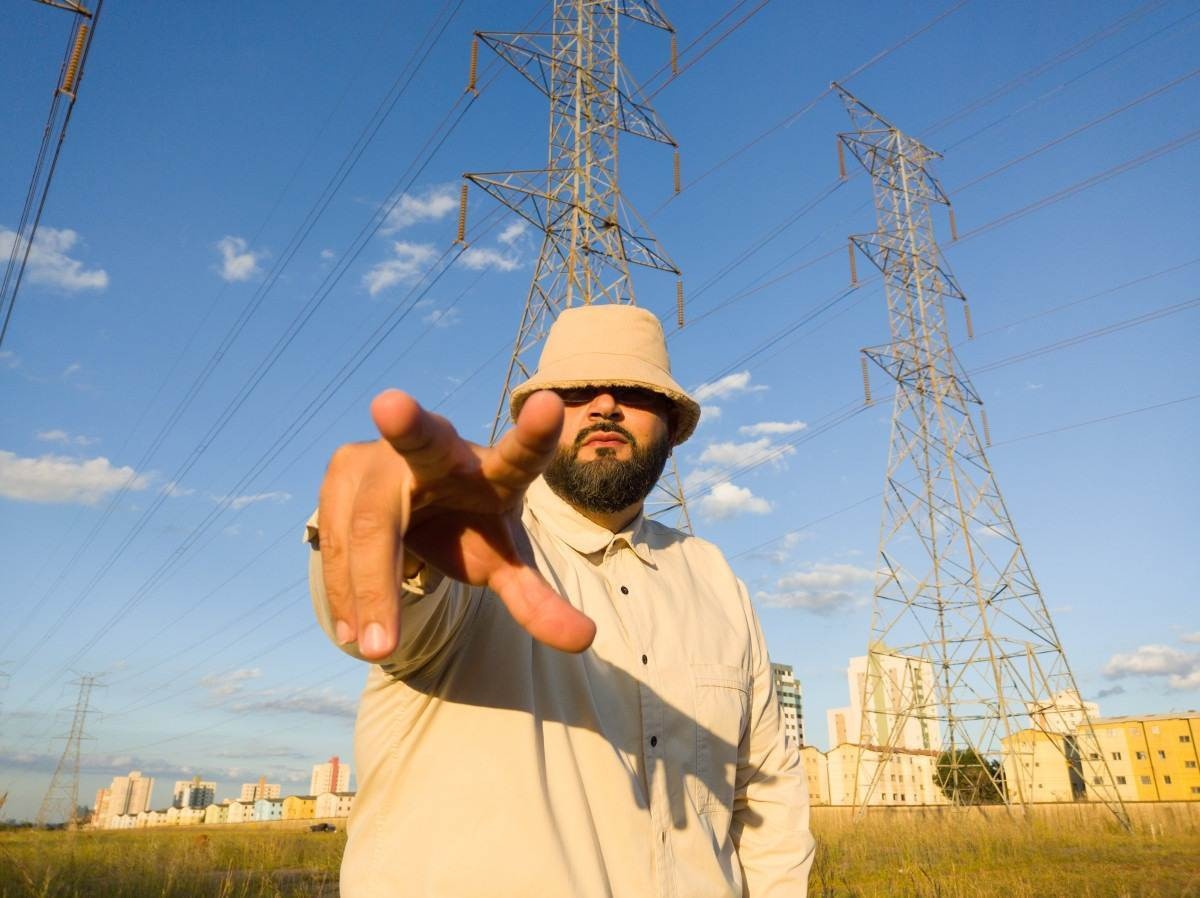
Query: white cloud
<point x="729" y="385"/>
<point x="61" y="436"/>
<point x="780" y="551"/>
<point x="10" y="359"/>
<point x="733" y="455"/>
<point x="772" y="428"/>
<point x="725" y="500"/>
<point x="1182" y="669"/>
<point x="443" y="317"/>
<point x="231" y="682"/>
<point x="410" y="261"/>
<point x="513" y="232"/>
<point x="239" y="502"/>
<point x="56" y="478"/>
<point x="238" y="261"/>
<point x="430" y="205"/>
<point x="173" y="490"/>
<point x="822" y="588"/>
<point x="49" y="262"/>
<point x="327" y="254"/>
<point x="710" y="413"/>
<point x="479" y="258"/>
<point x="1190" y="637"/>
<point x="325" y="703"/>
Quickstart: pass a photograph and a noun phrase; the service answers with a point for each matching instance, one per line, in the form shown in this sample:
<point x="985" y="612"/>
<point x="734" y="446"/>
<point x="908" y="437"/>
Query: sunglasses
<point x="634" y="397"/>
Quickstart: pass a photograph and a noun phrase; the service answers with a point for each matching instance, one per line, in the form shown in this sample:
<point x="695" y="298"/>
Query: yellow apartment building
<point x="816" y="772"/>
<point x="1036" y="770"/>
<point x="1152" y="757"/>
<point x="299" y="807"/>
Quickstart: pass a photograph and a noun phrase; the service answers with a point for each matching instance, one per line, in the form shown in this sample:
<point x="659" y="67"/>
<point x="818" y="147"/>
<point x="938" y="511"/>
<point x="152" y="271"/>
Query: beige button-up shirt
<point x="652" y="765"/>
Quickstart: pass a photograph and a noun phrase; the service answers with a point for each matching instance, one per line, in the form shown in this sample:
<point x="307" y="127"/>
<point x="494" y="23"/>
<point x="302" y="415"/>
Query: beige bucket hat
<point x="610" y="345"/>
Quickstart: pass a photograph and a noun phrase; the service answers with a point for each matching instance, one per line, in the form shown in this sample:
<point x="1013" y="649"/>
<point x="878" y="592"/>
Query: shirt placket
<point x="630" y="584"/>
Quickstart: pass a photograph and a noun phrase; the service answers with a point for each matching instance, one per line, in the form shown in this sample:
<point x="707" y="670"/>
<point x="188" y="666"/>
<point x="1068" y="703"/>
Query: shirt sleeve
<point x="770" y="827"/>
<point x="433" y="610"/>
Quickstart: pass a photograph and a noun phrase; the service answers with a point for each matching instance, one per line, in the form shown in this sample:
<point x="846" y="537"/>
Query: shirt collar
<point x="583" y="535"/>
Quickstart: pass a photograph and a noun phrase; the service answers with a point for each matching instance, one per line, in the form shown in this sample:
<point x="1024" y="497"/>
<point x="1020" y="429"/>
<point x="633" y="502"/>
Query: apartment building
<point x="332" y="776"/>
<point x="791" y="702"/>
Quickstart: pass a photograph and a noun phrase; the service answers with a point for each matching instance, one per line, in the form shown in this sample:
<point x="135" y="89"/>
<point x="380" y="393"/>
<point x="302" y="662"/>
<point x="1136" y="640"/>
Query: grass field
<point x="1056" y="851"/>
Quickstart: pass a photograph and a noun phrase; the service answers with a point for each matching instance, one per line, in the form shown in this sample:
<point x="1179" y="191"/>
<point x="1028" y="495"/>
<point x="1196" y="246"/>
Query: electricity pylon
<point x="62" y="798"/>
<point x="591" y="234"/>
<point x="963" y="660"/>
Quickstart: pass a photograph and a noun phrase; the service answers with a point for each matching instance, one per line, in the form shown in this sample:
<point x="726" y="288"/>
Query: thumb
<point x="534" y="605"/>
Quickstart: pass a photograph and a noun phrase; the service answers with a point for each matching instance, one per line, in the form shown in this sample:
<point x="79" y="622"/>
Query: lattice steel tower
<point x="964" y="662"/>
<point x="591" y="234"/>
<point x="62" y="798"/>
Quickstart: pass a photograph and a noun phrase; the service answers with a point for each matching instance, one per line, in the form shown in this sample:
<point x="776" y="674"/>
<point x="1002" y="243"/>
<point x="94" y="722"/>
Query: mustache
<point x="603" y="427"/>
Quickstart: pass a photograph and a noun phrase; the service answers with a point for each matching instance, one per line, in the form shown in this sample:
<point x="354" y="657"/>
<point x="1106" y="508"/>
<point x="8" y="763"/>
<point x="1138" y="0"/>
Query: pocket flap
<point x="721" y="675"/>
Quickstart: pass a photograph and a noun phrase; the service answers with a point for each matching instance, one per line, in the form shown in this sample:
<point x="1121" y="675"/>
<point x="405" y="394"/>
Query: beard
<point x="607" y="484"/>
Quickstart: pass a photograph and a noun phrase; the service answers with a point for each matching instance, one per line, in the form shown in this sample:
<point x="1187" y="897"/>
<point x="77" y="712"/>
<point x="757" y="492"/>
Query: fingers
<point x="488" y="550"/>
<point x="335" y="507"/>
<point x="427" y="441"/>
<point x="364" y="508"/>
<point x="525" y="450"/>
<point x="546" y="616"/>
<point x="376" y="529"/>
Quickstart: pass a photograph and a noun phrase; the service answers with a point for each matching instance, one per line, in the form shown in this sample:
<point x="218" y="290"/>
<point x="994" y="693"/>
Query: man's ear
<point x="672" y="425"/>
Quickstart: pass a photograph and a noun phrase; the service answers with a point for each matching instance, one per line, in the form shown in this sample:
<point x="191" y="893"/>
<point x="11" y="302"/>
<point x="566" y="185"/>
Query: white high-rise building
<point x="901" y="711"/>
<point x="129" y="794"/>
<point x="791" y="702"/>
<point x="332" y="776"/>
<point x="194" y="793"/>
<point x="261" y="789"/>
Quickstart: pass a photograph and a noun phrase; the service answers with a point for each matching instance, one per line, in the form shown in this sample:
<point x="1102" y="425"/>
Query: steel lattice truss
<point x="592" y="235"/>
<point x="62" y="796"/>
<point x="963" y="654"/>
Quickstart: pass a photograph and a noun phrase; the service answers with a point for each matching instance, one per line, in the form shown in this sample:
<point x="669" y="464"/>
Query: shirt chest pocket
<point x="722" y="703"/>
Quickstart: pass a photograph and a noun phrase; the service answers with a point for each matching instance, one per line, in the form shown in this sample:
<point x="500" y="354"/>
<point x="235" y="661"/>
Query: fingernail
<point x="342" y="631"/>
<point x="372" y="640"/>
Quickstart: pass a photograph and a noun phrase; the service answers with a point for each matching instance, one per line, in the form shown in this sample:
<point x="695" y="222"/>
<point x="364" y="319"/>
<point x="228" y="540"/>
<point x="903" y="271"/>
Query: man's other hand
<point x="450" y="503"/>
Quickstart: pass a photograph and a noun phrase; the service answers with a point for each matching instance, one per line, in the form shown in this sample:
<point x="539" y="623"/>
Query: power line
<point x="74" y="61"/>
<point x="349" y="160"/>
<point x="1101" y="420"/>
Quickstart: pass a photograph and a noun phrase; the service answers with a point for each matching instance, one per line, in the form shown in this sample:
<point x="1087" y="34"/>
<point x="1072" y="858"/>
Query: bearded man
<point x="566" y="698"/>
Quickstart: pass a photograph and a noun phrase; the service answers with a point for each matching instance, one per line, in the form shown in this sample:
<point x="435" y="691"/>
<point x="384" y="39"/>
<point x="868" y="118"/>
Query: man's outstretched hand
<point x="451" y="503"/>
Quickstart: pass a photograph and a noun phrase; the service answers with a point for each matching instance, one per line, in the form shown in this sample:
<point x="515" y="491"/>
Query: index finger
<point x="527" y="449"/>
<point x="423" y="438"/>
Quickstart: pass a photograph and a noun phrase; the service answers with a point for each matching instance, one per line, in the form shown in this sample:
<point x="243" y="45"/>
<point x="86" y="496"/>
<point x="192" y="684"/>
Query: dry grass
<point x="189" y="862"/>
<point x="950" y="853"/>
<point x="1073" y="851"/>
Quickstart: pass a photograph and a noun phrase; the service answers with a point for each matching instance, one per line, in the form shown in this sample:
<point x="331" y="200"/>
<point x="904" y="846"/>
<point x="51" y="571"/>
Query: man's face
<point x="615" y="442"/>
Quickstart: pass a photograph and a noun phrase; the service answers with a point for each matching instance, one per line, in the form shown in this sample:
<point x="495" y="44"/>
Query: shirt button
<point x="624" y="590"/>
<point x="645" y="660"/>
<point x="653" y="741"/>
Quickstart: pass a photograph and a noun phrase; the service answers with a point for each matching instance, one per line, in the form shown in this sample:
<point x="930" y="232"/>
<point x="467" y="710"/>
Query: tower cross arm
<point x="647" y="11"/>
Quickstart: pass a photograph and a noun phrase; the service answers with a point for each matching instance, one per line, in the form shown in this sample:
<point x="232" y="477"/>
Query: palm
<point x="454" y="504"/>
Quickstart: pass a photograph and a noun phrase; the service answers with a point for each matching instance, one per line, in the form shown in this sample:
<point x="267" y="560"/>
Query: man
<point x="609" y="726"/>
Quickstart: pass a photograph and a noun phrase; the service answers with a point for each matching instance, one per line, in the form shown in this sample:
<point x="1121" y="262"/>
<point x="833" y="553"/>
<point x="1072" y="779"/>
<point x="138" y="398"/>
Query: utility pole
<point x="591" y="234"/>
<point x="963" y="659"/>
<point x="62" y="798"/>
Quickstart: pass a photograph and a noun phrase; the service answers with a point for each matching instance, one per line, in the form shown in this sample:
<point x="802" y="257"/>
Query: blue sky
<point x="201" y="143"/>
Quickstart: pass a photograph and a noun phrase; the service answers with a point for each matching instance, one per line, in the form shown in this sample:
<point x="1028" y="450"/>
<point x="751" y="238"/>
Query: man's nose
<point x="604" y="405"/>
